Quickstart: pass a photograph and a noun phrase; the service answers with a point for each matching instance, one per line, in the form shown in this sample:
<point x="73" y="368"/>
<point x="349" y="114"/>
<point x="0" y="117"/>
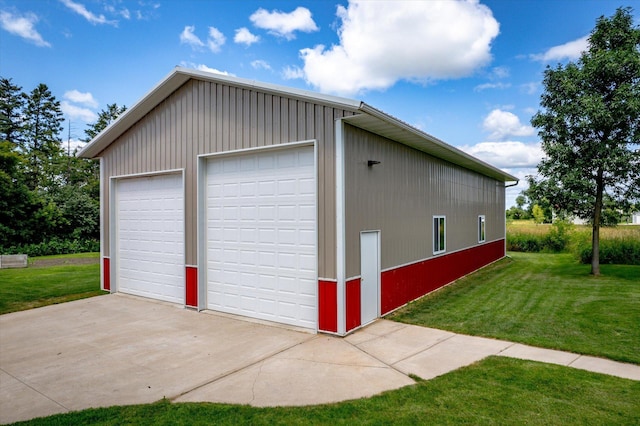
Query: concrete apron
<point x="120" y="350"/>
<point x="117" y="350"/>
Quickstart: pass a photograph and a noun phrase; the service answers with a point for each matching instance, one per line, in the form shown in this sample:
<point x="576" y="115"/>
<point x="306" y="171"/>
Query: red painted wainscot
<point x="353" y="316"/>
<point x="191" y="287"/>
<point x="328" y="306"/>
<point x="404" y="284"/>
<point x="106" y="274"/>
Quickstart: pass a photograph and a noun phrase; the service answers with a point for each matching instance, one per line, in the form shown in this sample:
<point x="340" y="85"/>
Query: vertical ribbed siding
<point x="401" y="195"/>
<point x="206" y="117"/>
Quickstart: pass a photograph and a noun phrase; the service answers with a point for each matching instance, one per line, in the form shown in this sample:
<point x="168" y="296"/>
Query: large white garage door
<point x="261" y="235"/>
<point x="150" y="237"/>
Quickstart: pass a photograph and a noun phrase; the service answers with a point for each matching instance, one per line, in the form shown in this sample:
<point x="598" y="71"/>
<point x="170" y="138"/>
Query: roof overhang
<point x="179" y="76"/>
<point x="380" y="123"/>
<point x="367" y="118"/>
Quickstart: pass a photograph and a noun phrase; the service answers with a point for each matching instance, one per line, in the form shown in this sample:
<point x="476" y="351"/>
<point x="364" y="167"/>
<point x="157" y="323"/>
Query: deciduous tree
<point x="590" y="125"/>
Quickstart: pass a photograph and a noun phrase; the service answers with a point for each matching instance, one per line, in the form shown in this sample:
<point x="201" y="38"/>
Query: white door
<point x="261" y="235"/>
<point x="369" y="276"/>
<point x="150" y="237"/>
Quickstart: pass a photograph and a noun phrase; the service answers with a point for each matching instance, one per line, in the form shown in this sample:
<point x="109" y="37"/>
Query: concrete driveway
<point x="119" y="350"/>
<point x="116" y="350"/>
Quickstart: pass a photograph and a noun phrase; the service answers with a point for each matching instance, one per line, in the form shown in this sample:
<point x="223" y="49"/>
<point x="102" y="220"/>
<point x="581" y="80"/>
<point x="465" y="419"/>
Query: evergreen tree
<point x="12" y="102"/>
<point x="42" y="127"/>
<point x="105" y="117"/>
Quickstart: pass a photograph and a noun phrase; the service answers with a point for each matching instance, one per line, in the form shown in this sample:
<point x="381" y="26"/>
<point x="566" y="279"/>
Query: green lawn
<point x="546" y="300"/>
<point x="37" y="286"/>
<point x="494" y="391"/>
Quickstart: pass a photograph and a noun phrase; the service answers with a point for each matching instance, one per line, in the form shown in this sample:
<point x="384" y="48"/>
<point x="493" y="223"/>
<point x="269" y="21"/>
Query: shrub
<point x="53" y="246"/>
<point x="622" y="251"/>
<point x="525" y="242"/>
<point x="554" y="239"/>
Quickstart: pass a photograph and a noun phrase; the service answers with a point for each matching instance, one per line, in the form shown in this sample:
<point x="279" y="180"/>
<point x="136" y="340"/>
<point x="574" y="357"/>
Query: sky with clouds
<point x="467" y="72"/>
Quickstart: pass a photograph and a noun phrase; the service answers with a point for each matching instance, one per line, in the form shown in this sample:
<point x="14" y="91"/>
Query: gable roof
<point x="366" y="117"/>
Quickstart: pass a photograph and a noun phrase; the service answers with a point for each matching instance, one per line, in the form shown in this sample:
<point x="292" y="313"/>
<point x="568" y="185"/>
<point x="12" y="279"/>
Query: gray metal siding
<point x="401" y="195"/>
<point x="207" y="117"/>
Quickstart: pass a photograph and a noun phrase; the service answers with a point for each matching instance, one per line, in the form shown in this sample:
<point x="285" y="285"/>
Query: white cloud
<point x="501" y="124"/>
<point x="292" y="73"/>
<point x="23" y="26"/>
<point x="500" y="72"/>
<point x="214" y="42"/>
<point x="513" y="191"/>
<point x="71" y="145"/>
<point x="216" y="39"/>
<point x="188" y="37"/>
<point x="284" y="24"/>
<point x="260" y="64"/>
<point x="244" y="36"/>
<point x="81" y="10"/>
<point x="571" y="51"/>
<point x="75" y="112"/>
<point x="486" y="86"/>
<point x="205" y="68"/>
<point x="124" y="12"/>
<point x="382" y="42"/>
<point x="78" y="97"/>
<point x="512" y="154"/>
<point x="529" y="88"/>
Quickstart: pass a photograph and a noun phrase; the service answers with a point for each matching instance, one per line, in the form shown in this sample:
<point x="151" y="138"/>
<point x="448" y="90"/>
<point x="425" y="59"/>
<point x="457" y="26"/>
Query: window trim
<point x="439" y="241"/>
<point x="482" y="228"/>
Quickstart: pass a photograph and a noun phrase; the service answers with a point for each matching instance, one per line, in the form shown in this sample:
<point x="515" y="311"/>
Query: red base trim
<point x="106" y="274"/>
<point x="328" y="306"/>
<point x="354" y="318"/>
<point x="191" y="286"/>
<point x="404" y="284"/>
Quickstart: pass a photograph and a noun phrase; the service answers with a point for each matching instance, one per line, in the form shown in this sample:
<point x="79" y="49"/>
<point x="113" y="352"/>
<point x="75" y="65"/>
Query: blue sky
<point x="467" y="72"/>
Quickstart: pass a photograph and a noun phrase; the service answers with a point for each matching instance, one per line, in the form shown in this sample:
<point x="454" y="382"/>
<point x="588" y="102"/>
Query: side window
<point x="439" y="234"/>
<point x="481" y="237"/>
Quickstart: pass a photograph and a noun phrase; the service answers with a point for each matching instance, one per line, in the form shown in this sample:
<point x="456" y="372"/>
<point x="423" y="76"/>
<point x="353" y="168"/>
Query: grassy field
<point x="494" y="391"/>
<point x="49" y="280"/>
<point x="546" y="300"/>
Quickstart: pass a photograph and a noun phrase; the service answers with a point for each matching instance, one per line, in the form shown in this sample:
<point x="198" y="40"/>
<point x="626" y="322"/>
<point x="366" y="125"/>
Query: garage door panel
<point x="261" y="236"/>
<point x="150" y="237"/>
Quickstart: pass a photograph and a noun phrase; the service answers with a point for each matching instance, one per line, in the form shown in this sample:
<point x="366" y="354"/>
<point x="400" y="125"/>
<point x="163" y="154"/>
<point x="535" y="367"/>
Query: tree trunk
<point x="595" y="233"/>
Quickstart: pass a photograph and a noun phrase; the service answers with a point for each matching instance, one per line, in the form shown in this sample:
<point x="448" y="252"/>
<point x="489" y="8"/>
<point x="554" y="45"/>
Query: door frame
<point x="201" y="210"/>
<point x="114" y="254"/>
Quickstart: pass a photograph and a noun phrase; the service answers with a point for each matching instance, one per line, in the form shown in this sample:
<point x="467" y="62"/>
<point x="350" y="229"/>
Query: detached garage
<point x="285" y="205"/>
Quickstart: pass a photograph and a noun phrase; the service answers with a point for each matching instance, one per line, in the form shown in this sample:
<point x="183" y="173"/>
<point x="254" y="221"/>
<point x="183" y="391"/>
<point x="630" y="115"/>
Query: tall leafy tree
<point x="42" y="127"/>
<point x="590" y="125"/>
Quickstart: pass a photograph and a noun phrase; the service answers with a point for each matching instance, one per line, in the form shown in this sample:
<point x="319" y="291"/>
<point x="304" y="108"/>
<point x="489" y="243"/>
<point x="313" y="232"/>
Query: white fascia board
<point x="156" y="95"/>
<point x="176" y="78"/>
<point x="427" y="143"/>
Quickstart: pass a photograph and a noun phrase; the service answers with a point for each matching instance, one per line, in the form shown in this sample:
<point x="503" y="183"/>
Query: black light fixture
<point x="372" y="163"/>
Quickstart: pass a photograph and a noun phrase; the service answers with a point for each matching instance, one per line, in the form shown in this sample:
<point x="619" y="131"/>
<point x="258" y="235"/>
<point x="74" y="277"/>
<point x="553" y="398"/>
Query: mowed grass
<point x="37" y="286"/>
<point x="546" y="300"/>
<point x="494" y="391"/>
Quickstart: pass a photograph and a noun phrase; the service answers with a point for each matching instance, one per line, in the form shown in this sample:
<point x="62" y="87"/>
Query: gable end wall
<point x="204" y="117"/>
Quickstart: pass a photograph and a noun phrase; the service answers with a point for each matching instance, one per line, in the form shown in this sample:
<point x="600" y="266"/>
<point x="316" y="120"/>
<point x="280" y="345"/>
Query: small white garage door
<point x="261" y="235"/>
<point x="150" y="237"/>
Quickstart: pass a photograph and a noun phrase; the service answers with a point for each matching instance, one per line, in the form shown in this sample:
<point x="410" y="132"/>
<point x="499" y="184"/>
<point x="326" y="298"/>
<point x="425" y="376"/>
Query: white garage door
<point x="150" y="237"/>
<point x="261" y="235"/>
